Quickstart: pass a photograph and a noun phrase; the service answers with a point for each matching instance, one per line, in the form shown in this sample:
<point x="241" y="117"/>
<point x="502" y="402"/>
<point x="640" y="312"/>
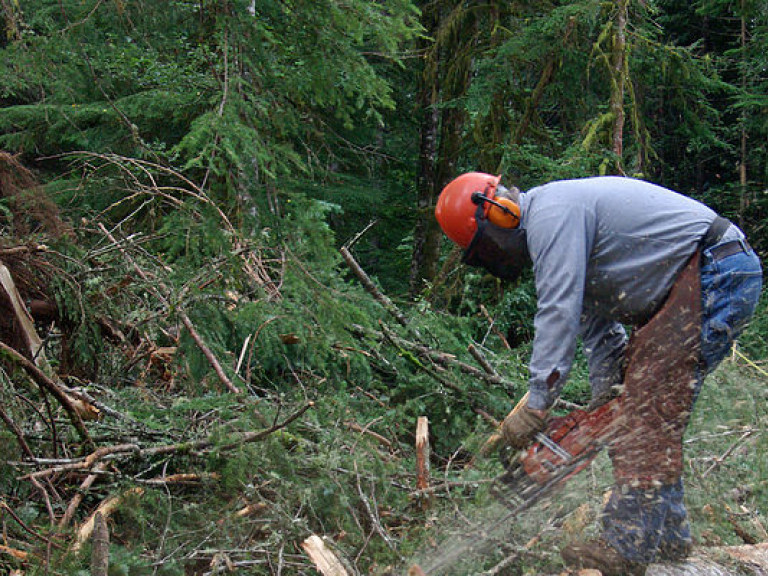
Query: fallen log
<point x="100" y="550"/>
<point x="713" y="562"/>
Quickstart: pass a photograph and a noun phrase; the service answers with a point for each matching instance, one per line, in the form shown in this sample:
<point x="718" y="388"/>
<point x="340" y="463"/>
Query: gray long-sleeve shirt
<point x="605" y="251"/>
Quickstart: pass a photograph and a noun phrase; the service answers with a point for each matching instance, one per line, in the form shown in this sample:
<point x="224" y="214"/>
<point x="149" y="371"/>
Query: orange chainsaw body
<point x="575" y="438"/>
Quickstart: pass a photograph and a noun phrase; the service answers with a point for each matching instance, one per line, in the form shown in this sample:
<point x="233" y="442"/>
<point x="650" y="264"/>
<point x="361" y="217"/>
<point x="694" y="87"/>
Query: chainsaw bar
<point x="518" y="492"/>
<point x="569" y="444"/>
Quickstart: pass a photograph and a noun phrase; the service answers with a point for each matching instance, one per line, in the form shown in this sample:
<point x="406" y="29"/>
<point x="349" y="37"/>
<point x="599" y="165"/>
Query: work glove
<point x="520" y="426"/>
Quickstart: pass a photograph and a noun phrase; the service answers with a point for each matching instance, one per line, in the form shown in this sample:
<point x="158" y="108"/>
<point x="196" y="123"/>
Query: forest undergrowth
<point x="215" y="399"/>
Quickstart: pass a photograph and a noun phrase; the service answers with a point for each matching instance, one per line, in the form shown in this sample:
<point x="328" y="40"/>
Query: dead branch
<point x="482" y="360"/>
<point x="718" y="461"/>
<point x="161" y="293"/>
<point x="105" y="510"/>
<point x="87" y="464"/>
<point x="11" y="425"/>
<point x="371" y="288"/>
<point x="252" y="263"/>
<point x="493" y="328"/>
<point x="27" y="529"/>
<point x="80" y="495"/>
<point x="242" y="439"/>
<point x="73" y="407"/>
<point x="441" y="358"/>
<point x="373" y="513"/>
<point x="355" y="427"/>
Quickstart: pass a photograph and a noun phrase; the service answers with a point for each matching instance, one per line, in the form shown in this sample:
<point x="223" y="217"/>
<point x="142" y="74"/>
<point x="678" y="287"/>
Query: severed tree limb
<point x="354" y="426"/>
<point x="80" y="495"/>
<point x="87" y="463"/>
<point x="325" y="560"/>
<point x="27" y="529"/>
<point x="251" y="510"/>
<point x="105" y="509"/>
<point x="73" y="407"/>
<point x="25" y="449"/>
<point x="160" y="293"/>
<point x="422" y="460"/>
<point x="371" y="288"/>
<point x="439" y="357"/>
<point x="482" y="360"/>
<point x="181" y="478"/>
<point x="243" y="439"/>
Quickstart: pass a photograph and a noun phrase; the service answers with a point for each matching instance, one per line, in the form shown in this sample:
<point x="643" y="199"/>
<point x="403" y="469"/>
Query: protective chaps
<point x="660" y="383"/>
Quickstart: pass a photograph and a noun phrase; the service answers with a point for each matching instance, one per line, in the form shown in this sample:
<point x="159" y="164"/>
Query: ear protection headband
<point x="503" y="212"/>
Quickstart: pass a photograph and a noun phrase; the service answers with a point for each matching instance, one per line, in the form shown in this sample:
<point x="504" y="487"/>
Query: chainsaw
<point x="563" y="449"/>
<point x="567" y="446"/>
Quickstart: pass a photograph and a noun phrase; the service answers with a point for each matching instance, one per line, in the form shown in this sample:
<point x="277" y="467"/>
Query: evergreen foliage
<point x="208" y="159"/>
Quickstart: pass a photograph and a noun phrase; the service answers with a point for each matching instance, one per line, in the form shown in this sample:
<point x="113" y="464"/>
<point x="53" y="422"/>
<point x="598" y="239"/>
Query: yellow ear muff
<point x="504" y="213"/>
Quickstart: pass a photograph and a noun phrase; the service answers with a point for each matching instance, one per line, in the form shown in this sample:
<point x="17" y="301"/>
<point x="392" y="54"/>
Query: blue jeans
<point x="638" y="523"/>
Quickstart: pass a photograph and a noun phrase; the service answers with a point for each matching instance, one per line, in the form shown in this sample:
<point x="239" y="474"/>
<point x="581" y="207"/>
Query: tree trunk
<point x="743" y="198"/>
<point x="618" y="76"/>
<point x="426" y="239"/>
<point x="446" y="78"/>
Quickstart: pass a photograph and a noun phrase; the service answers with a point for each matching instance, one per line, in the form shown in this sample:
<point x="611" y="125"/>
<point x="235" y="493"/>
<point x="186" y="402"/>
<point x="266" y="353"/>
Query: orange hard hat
<point x="457" y="212"/>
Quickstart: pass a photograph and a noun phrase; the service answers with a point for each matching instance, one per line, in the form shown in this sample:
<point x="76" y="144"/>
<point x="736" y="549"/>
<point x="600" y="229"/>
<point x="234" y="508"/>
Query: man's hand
<point x="520" y="426"/>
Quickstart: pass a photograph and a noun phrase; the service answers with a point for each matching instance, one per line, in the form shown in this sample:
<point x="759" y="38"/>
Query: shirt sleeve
<point x="604" y="342"/>
<point x="560" y="241"/>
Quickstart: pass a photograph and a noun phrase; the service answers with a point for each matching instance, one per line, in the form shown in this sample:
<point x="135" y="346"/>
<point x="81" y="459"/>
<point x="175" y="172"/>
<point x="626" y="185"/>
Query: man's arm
<point x="560" y="242"/>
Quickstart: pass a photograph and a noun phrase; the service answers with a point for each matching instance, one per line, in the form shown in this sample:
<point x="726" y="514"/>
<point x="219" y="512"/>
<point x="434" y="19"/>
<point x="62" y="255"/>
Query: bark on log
<point x="708" y="563"/>
<point x="722" y="561"/>
<point x="100" y="551"/>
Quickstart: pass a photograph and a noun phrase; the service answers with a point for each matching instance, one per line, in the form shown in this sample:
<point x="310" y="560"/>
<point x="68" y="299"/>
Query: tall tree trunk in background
<point x="743" y="198"/>
<point x="426" y="237"/>
<point x="618" y="79"/>
<point x="445" y="79"/>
